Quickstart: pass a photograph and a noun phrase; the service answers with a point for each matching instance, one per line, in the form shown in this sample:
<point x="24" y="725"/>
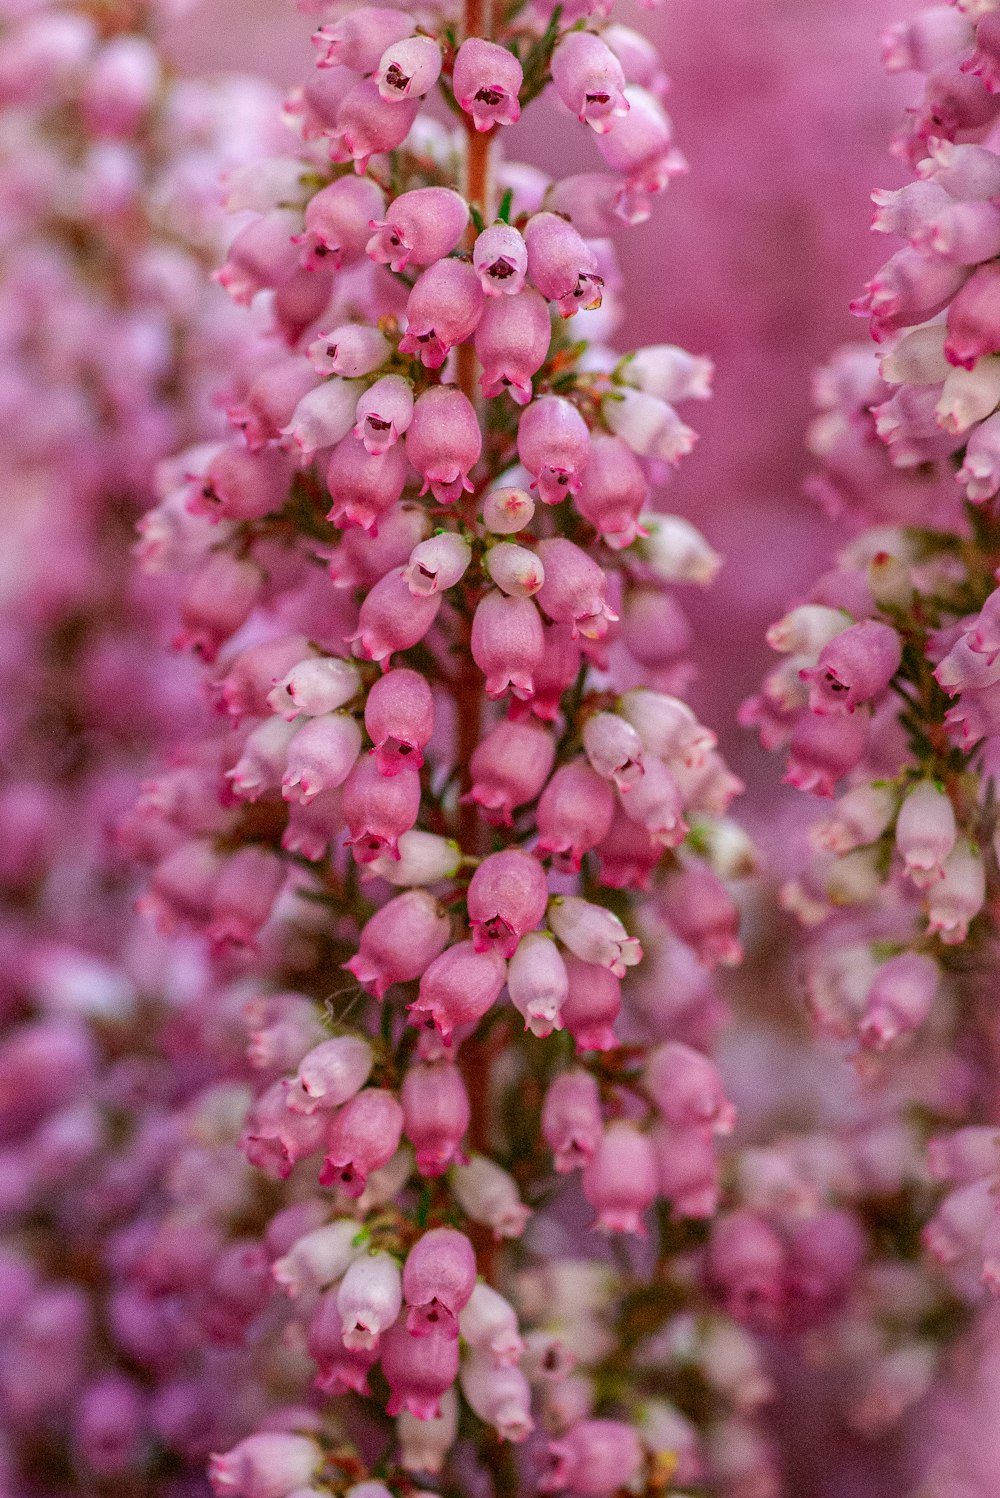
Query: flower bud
<point x="594" y="934"/>
<point x="668" y="372"/>
<point x="677" y="551"/>
<point x="613" y="491"/>
<point x="507" y="511"/>
<point x="368" y="125"/>
<point x="318" y="1259"/>
<point x="242" y="485"/>
<point x="314" y="687"/>
<point x="824" y="748"/>
<point x="358" y="39"/>
<point x="488" y="1323"/>
<point x="899" y="999"/>
<point x="687" y="1088"/>
<point x="958" y="896"/>
<point x="263" y="758"/>
<point x="854" y="667"/>
<point x="424" y="858"/>
<point x="351" y="350"/>
<point x="700" y="910"/>
<point x="655" y="802"/>
<point x="516" y="571"/>
<point x="424" y="1444"/>
<point x="688" y="1170"/>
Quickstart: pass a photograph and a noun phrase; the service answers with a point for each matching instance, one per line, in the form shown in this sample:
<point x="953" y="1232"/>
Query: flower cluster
<point x="885" y="695"/>
<point x="437" y="604"/>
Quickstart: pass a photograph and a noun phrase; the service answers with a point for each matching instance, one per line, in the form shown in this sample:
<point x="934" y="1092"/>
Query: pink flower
<point x="500" y="257"/>
<point x="561" y="265"/>
<point x="506" y="898"/>
<point x="268" y="1465"/>
<point x="363" y="1136"/>
<point x="594" y="1458"/>
<point x="443" y="309"/>
<point x="620" y="1179"/>
<point x="384" y="413"/>
<point x="400" y="941"/>
<point x="436" y="1114"/>
<point x="486" y="81"/>
<point x="438" y="1277"/>
<point x="509" y="767"/>
<point x="336" y="222"/>
<point x="512" y="343"/>
<point x="421" y="227"/>
<point x="408" y="69"/>
<point x="444" y="442"/>
<point x="369" y="1299"/>
<point x="419" y="1370"/>
<point x="330" y="1074"/>
<point x="459" y="987"/>
<point x="575" y="813"/>
<point x="379" y="808"/>
<point x="538" y="983"/>
<point x="553" y="443"/>
<point x="392" y="618"/>
<point x="399" y="718"/>
<point x="589" y="80"/>
<point x="572" y="1123"/>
